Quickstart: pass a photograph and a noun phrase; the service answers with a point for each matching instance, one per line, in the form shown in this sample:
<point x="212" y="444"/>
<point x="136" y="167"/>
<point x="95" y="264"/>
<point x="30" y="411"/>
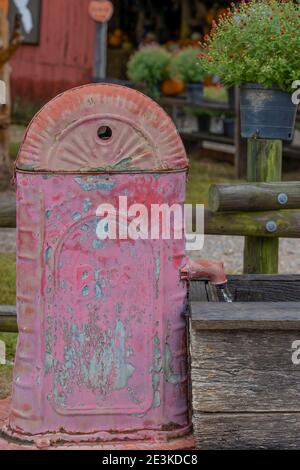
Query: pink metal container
<point x="102" y="353"/>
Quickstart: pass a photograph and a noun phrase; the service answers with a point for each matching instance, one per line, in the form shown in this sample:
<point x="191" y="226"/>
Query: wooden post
<point x="240" y="159"/>
<point x="264" y="165"/>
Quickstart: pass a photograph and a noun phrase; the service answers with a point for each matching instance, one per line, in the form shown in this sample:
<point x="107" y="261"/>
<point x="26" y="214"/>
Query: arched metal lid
<point x="102" y="127"/>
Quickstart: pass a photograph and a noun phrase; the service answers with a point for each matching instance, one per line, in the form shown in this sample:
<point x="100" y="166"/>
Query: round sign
<point x="101" y="10"/>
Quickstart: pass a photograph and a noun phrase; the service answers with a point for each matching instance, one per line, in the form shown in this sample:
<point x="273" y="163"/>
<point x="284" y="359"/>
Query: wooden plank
<point x="255" y="288"/>
<point x="254" y="196"/>
<point x="240" y="350"/>
<point x="263" y="288"/>
<point x="254" y="224"/>
<point x="264" y="165"/>
<point x="245" y="315"/>
<point x="212" y="293"/>
<point x="249" y="391"/>
<point x="243" y="431"/>
<point x="246" y="278"/>
<point x="225" y="384"/>
<point x="197" y="291"/>
<point x="183" y="102"/>
<point x="8" y="319"/>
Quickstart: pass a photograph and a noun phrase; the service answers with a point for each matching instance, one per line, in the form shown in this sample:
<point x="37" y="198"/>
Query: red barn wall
<point x="64" y="57"/>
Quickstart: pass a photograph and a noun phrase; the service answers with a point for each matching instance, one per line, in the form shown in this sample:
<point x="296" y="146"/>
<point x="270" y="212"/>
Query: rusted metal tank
<point x="102" y="349"/>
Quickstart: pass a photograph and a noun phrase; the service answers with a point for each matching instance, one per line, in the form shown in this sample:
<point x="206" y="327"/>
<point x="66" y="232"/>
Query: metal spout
<point x="205" y="269"/>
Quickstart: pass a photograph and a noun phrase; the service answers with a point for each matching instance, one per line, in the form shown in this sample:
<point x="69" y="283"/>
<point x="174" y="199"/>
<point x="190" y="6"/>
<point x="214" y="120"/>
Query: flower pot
<point x="195" y="93"/>
<point x="267" y="113"/>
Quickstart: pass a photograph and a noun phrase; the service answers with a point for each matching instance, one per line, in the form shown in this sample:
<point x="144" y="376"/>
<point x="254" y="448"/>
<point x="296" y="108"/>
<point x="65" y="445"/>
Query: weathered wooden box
<point x="245" y="365"/>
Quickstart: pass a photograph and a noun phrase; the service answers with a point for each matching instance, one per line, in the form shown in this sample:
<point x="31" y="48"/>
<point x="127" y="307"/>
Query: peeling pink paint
<point x="102" y="350"/>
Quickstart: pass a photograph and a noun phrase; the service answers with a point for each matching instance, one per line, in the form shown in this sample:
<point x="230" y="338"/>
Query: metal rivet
<point x="283" y="198"/>
<point x="271" y="226"/>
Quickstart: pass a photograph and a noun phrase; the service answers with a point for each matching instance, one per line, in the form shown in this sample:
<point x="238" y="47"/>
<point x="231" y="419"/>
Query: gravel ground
<point x="7" y="240"/>
<point x="227" y="249"/>
<point x="230" y="251"/>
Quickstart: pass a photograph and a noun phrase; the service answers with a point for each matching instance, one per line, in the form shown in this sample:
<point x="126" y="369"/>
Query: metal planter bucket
<point x="195" y="92"/>
<point x="267" y="113"/>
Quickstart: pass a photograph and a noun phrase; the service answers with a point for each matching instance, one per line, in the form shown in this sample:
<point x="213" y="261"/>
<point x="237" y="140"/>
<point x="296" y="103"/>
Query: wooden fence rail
<point x="8" y="212"/>
<point x="8" y="319"/>
<point x="254" y="196"/>
<point x="219" y="223"/>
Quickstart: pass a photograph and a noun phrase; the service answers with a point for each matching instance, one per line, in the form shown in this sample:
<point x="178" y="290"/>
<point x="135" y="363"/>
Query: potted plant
<point x="149" y="65"/>
<point x="256" y="45"/>
<point x="186" y="65"/>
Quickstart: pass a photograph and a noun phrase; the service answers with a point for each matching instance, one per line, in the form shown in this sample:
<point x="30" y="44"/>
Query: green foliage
<point x="187" y="66"/>
<point x="10" y="340"/>
<point x="5" y="381"/>
<point x="214" y="93"/>
<point x="202" y="174"/>
<point x="14" y="149"/>
<point x="149" y="65"/>
<point x="7" y="297"/>
<point x="256" y="42"/>
<point x="23" y="112"/>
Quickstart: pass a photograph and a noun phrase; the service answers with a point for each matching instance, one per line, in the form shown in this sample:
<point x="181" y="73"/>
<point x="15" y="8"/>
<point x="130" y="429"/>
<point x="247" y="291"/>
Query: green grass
<point x="5" y="381"/>
<point x="216" y="94"/>
<point x="8" y="279"/>
<point x="204" y="173"/>
<point x="23" y="112"/>
<point x="14" y="148"/>
<point x="7" y="297"/>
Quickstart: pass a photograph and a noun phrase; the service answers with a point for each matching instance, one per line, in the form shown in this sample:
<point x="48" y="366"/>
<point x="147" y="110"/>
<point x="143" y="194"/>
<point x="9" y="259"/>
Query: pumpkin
<point x="116" y="38"/>
<point x="118" y="33"/>
<point x="208" y="81"/>
<point x="172" y="86"/>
